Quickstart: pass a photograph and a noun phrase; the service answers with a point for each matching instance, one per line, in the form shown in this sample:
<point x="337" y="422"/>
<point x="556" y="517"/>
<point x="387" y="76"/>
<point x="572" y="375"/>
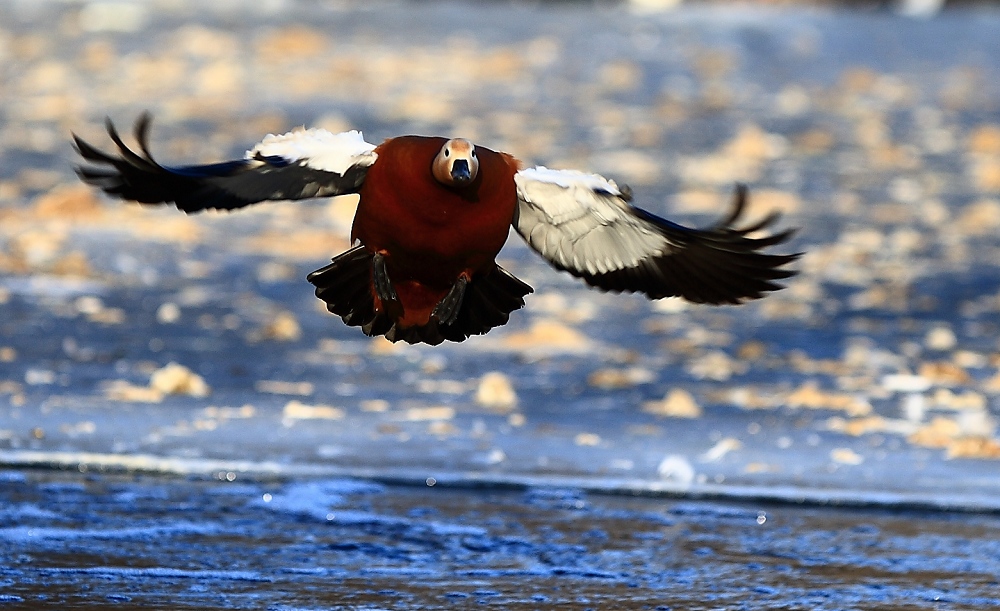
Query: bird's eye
<point x="447" y="153"/>
<point x="473" y="152"/>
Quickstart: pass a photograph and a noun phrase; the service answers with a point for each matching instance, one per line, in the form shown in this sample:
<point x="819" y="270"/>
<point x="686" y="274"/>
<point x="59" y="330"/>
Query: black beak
<point x="460" y="171"/>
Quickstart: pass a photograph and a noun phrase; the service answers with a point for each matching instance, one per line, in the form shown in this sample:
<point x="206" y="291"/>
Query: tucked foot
<point x="346" y="285"/>
<point x="486" y="303"/>
<point x="383" y="286"/>
<point x="446" y="312"/>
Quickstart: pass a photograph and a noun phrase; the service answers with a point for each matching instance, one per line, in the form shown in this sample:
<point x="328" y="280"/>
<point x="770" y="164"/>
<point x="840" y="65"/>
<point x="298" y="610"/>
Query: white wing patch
<point x="581" y="222"/>
<point x="569" y="179"/>
<point x="318" y="149"/>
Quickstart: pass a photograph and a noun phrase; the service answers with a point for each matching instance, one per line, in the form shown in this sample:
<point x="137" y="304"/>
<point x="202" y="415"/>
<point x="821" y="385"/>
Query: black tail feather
<point x="346" y="287"/>
<point x="489" y="300"/>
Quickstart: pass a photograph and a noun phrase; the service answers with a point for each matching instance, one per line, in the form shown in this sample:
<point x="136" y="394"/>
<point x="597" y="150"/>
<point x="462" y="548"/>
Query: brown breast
<point x="430" y="232"/>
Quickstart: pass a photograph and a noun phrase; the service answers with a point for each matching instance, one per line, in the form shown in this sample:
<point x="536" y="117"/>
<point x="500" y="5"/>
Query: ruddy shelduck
<point x="433" y="214"/>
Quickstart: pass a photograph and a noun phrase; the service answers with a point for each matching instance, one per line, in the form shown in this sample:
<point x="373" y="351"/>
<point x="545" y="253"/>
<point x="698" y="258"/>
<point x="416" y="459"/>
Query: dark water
<point x="134" y="542"/>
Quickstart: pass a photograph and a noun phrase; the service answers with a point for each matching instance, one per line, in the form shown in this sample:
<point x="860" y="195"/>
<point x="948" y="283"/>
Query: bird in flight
<point x="433" y="214"/>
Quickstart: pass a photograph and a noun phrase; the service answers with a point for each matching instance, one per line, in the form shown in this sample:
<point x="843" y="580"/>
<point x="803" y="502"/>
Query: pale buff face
<point x="456" y="164"/>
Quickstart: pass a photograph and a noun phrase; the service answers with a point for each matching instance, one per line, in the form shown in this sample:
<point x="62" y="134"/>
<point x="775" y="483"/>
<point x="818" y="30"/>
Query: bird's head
<point x="456" y="164"/>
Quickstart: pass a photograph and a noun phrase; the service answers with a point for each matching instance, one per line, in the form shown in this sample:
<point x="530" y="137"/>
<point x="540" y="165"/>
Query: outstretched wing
<point x="297" y="165"/>
<point x="584" y="224"/>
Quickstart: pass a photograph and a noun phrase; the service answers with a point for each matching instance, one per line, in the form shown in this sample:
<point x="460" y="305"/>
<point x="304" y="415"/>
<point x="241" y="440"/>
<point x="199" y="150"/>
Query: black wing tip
<point x="741" y="196"/>
<point x="727" y="229"/>
<point x="721" y="264"/>
<point x="134" y="175"/>
<point x="126" y="155"/>
<point x="99" y="166"/>
<point x="143" y="121"/>
<point x="79" y="144"/>
<point x="741" y="201"/>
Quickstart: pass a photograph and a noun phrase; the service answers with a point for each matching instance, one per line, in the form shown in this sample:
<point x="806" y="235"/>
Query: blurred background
<point x="137" y="340"/>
